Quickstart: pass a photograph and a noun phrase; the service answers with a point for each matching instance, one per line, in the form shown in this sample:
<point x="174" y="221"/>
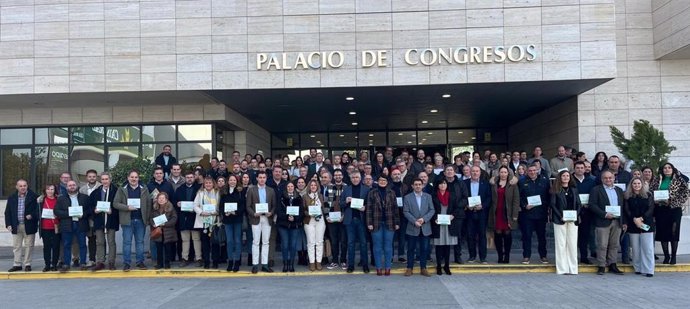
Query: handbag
<point x="218" y="236"/>
<point x="156" y="232"/>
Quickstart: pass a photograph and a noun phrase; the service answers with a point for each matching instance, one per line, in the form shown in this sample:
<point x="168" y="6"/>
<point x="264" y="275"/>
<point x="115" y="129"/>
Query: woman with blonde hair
<point x="313" y="204"/>
<point x="639" y="215"/>
<point x="206" y="208"/>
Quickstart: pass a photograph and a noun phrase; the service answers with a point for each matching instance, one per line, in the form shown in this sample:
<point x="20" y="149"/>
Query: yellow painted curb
<point x="200" y="273"/>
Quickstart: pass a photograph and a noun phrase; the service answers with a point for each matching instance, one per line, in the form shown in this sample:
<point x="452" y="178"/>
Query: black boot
<point x="614" y="269"/>
<point x="236" y="266"/>
<point x="667" y="256"/>
<point x="674" y="250"/>
<point x="438" y="269"/>
<point x="498" y="243"/>
<point x="291" y="266"/>
<point x="249" y="260"/>
<point x="285" y="266"/>
<point x="231" y="264"/>
<point x="507" y="245"/>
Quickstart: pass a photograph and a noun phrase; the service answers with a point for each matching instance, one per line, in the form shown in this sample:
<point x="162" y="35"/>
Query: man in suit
<point x="73" y="225"/>
<point x="105" y="224"/>
<point x="515" y="161"/>
<point x="314" y="167"/>
<point x="261" y="221"/>
<point x="418" y="209"/>
<point x="477" y="215"/>
<point x="607" y="226"/>
<point x="354" y="221"/>
<point x="21" y="219"/>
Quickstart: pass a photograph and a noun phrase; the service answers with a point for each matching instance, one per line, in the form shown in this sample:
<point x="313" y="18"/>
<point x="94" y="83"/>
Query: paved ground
<point x="360" y="291"/>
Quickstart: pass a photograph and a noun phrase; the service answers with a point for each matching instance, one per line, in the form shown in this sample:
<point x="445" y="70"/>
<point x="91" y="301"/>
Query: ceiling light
<point x="446" y="95"/>
<point x="429" y="133"/>
<point x="349" y="98"/>
<point x="356" y="137"/>
<point x="400" y="134"/>
<point x="312" y="136"/>
<point x="318" y="142"/>
<point x="341" y="135"/>
<point x="474" y="137"/>
<point x="409" y="142"/>
<point x="353" y="113"/>
<point x="354" y="123"/>
<point x="371" y="140"/>
<point x="371" y="134"/>
<point x="434" y="111"/>
<point x="424" y="139"/>
<point x="459" y="132"/>
<point x="414" y="135"/>
<point x="424" y="121"/>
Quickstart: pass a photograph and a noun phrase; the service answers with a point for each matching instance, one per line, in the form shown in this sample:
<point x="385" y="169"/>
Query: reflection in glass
<point x="314" y="140"/>
<point x="286" y="140"/>
<point x="461" y="136"/>
<point x="372" y="139"/>
<point x="83" y="158"/>
<point x="432" y="137"/>
<point x="343" y="140"/>
<point x="88" y="135"/>
<point x="50" y="162"/>
<point x="121" y="153"/>
<point x="195" y="132"/>
<point x="194" y="153"/>
<point x="158" y="133"/>
<point x="403" y="138"/>
<point x="129" y="134"/>
<point x="52" y="136"/>
<point x="16" y="164"/>
<point x="16" y="137"/>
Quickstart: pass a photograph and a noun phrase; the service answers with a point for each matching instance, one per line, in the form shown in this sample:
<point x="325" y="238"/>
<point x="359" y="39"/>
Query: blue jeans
<point x="383" y="243"/>
<point x="288" y="242"/>
<point x="138" y="230"/>
<point x="412" y="243"/>
<point x="233" y="233"/>
<point x="67" y="244"/>
<point x="356" y="230"/>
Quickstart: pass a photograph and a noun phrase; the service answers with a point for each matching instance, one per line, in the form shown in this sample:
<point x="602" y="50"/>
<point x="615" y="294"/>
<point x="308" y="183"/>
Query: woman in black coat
<point x="444" y="236"/>
<point x="289" y="225"/>
<point x="233" y="208"/>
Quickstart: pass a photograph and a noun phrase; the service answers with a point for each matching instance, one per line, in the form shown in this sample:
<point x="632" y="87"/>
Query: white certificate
<point x="261" y="208"/>
<point x="230" y="207"/>
<point x="187" y="206"/>
<point x="134" y="202"/>
<point x="569" y="215"/>
<point x="103" y="206"/>
<point x="357" y="203"/>
<point x="293" y="210"/>
<point x="76" y="211"/>
<point x="398" y="200"/>
<point x="534" y="200"/>
<point x="208" y="208"/>
<point x="614" y="210"/>
<point x="620" y="185"/>
<point x="159" y="220"/>
<point x="474" y="201"/>
<point x="443" y="219"/>
<point x="660" y="195"/>
<point x="584" y="199"/>
<point x="47" y="214"/>
<point x="314" y="210"/>
<point x="334" y="216"/>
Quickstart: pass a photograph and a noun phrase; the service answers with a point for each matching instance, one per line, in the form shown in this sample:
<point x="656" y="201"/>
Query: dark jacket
<point x="30" y="208"/>
<point x="485" y="193"/>
<point x="166" y="167"/>
<point x="639" y="207"/>
<point x="598" y="200"/>
<point x="165" y="186"/>
<point x="453" y="209"/>
<point x="376" y="207"/>
<point x="559" y="203"/>
<point x="169" y="232"/>
<point x="62" y="212"/>
<point x="459" y="190"/>
<point x="345" y="206"/>
<point x="185" y="219"/>
<point x="281" y="212"/>
<point x="234" y="197"/>
<point x="99" y="221"/>
<point x="528" y="187"/>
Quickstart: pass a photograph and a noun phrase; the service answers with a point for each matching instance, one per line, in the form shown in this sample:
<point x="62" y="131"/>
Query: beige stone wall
<point x="671" y="20"/>
<point x="58" y="46"/>
<point x="548" y="129"/>
<point x="656" y="90"/>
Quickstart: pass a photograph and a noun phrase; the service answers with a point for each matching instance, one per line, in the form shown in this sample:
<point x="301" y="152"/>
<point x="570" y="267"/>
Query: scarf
<point x="443" y="197"/>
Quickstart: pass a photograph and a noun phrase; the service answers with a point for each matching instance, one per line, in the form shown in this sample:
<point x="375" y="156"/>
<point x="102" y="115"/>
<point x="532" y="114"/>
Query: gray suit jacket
<point x="412" y="212"/>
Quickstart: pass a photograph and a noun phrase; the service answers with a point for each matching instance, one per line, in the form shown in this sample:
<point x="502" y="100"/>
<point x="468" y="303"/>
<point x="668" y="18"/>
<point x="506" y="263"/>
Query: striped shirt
<point x="21" y="208"/>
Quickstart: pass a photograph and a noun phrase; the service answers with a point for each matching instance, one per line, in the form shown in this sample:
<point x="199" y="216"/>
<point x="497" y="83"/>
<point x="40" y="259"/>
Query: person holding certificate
<point x="565" y="207"/>
<point x="163" y="215"/>
<point x="261" y="200"/>
<point x="106" y="221"/>
<point x="605" y="202"/>
<point x="534" y="202"/>
<point x="134" y="205"/>
<point x="503" y="215"/>
<point x="73" y="214"/>
<point x="233" y="208"/>
<point x="184" y="200"/>
<point x="49" y="228"/>
<point x="476" y="214"/>
<point x="383" y="219"/>
<point x="443" y="236"/>
<point x="313" y="205"/>
<point x="289" y="223"/>
<point x="352" y="202"/>
<point x="206" y="208"/>
<point x="419" y="210"/>
<point x="670" y="188"/>
<point x="639" y="215"/>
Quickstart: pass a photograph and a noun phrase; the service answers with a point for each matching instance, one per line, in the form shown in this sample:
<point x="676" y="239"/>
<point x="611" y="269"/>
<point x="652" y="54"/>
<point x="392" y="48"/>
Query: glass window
<point x="314" y="140"/>
<point x="372" y="138"/>
<point x="130" y="134"/>
<point x="50" y="162"/>
<point x="194" y="153"/>
<point x="343" y="140"/>
<point x="88" y="135"/>
<point x="195" y="132"/>
<point x="121" y="153"/>
<point x="492" y="136"/>
<point x="404" y="138"/>
<point x="52" y="136"/>
<point x="158" y="133"/>
<point x="286" y="140"/>
<point x="461" y="136"/>
<point x="83" y="158"/>
<point x="16" y="164"/>
<point x="432" y="137"/>
<point x="16" y="137"/>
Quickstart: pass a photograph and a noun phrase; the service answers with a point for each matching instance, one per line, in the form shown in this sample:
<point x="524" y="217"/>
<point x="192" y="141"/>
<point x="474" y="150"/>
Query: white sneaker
<point x="343" y="266"/>
<point x="332" y="266"/>
<point x="90" y="264"/>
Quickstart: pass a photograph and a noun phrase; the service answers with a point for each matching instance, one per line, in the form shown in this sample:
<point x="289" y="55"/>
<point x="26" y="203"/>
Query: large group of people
<point x="317" y="209"/>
